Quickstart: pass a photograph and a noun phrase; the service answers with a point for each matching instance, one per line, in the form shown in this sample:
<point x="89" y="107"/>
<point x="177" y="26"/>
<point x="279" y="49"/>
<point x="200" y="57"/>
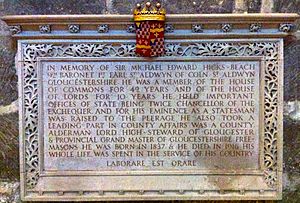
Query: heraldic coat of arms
<point x="150" y="26"/>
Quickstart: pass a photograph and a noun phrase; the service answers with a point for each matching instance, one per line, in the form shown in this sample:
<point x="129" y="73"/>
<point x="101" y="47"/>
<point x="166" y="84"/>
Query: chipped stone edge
<point x="8" y="109"/>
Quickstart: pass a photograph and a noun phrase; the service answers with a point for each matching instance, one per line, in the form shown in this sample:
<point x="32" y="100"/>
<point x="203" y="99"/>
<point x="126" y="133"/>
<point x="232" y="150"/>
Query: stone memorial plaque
<point x="142" y="115"/>
<point x="201" y="122"/>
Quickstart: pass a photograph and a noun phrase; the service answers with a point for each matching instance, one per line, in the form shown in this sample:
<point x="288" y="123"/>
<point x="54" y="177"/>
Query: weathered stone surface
<point x="9" y="192"/>
<point x="287" y="6"/>
<point x="254" y="6"/>
<point x="291" y="157"/>
<point x="199" y="6"/>
<point x="240" y="6"/>
<point x="291" y="196"/>
<point x="230" y="48"/>
<point x="291" y="146"/>
<point x="26" y="7"/>
<point x="9" y="148"/>
<point x="174" y="6"/>
<point x="8" y="78"/>
<point x="118" y="6"/>
<point x="291" y="149"/>
<point x="283" y="6"/>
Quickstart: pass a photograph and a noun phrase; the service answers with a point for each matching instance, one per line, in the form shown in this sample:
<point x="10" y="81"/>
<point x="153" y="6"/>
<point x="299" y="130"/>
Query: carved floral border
<point x="269" y="50"/>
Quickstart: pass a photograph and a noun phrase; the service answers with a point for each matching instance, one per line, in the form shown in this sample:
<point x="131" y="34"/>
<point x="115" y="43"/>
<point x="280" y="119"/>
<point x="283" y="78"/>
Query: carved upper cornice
<point x="270" y="25"/>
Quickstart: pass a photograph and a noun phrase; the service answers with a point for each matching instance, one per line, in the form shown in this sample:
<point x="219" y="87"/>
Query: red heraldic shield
<point x="150" y="38"/>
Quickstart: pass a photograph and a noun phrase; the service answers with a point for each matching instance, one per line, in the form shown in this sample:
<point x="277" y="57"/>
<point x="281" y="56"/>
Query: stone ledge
<point x="11" y="108"/>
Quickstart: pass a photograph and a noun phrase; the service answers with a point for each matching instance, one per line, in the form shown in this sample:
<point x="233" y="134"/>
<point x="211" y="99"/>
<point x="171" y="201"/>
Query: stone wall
<point x="9" y="187"/>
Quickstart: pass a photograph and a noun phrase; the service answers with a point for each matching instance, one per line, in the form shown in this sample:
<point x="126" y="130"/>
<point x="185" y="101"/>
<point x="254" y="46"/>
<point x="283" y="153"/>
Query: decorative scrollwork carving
<point x="31" y="123"/>
<point x="268" y="50"/>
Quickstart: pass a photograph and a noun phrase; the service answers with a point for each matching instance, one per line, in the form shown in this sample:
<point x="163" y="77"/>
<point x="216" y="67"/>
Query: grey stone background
<point x="9" y="163"/>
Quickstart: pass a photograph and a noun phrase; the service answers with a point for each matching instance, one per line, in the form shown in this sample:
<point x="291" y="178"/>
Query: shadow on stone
<point x="9" y="147"/>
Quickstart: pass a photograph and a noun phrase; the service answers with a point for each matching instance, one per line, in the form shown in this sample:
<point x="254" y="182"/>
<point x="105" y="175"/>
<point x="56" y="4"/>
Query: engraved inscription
<point x="269" y="50"/>
<point x="158" y="115"/>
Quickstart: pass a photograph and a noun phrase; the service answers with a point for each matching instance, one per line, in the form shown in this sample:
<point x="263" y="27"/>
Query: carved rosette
<point x="286" y="27"/>
<point x="255" y="27"/>
<point x="197" y="28"/>
<point x="267" y="49"/>
<point x="103" y="28"/>
<point x="226" y="27"/>
<point x="15" y="29"/>
<point x="74" y="28"/>
<point x="169" y="28"/>
<point x="130" y="28"/>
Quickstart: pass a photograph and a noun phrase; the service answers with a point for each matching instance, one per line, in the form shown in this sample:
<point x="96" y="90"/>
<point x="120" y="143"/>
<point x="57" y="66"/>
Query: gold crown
<point x="149" y="12"/>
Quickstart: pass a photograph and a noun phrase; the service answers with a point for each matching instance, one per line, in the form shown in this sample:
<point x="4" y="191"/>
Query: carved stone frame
<point x="33" y="184"/>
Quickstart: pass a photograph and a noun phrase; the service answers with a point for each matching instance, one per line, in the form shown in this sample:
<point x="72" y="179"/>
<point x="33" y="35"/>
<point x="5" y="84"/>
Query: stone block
<point x="174" y="6"/>
<point x="291" y="157"/>
<point x="283" y="6"/>
<point x="30" y="7"/>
